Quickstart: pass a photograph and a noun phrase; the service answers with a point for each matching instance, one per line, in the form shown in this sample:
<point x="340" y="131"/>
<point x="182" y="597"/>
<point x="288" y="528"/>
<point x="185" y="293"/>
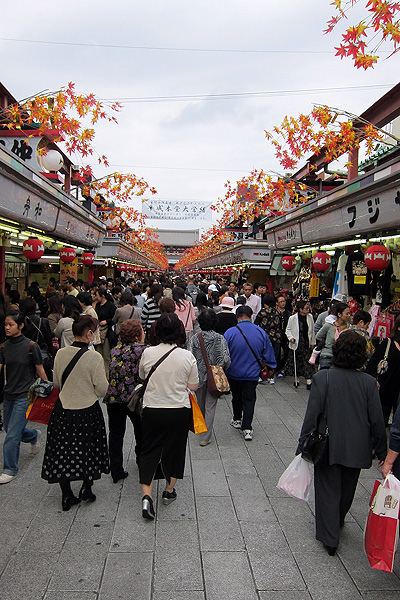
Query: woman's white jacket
<point x="292" y="331"/>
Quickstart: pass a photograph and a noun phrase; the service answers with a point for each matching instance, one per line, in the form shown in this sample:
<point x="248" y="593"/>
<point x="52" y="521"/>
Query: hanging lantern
<point x="67" y="255"/>
<point x="33" y="248"/>
<point x="88" y="258"/>
<point x="122" y="268"/>
<point x="288" y="263"/>
<point x="377" y="258"/>
<point x="321" y="261"/>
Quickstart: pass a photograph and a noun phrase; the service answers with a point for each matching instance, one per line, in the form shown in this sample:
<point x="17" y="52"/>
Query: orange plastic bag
<point x="198" y="424"/>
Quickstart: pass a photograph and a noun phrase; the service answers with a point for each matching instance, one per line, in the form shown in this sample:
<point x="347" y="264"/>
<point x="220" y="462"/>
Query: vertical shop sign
<point x="68" y="270"/>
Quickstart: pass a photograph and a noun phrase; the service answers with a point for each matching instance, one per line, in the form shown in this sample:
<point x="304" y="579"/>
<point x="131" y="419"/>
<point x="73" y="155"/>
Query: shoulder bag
<point x="41" y="409"/>
<point x="47" y="359"/>
<point x="266" y="371"/>
<point x="383" y="365"/>
<point x="135" y="400"/>
<point x="217" y="381"/>
<point x="314" y="447"/>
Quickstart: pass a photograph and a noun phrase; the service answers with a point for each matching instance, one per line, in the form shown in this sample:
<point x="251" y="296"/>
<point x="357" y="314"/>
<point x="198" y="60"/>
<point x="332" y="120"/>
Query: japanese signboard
<point x="68" y="270"/>
<point x="372" y="213"/>
<point x="176" y="210"/>
<point x="288" y="236"/>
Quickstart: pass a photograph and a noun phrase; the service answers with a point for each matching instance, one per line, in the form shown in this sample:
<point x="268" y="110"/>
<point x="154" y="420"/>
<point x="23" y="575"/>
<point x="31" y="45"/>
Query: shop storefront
<point x="33" y="208"/>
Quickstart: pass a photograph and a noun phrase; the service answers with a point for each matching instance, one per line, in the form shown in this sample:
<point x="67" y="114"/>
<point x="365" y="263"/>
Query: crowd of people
<point x="104" y="338"/>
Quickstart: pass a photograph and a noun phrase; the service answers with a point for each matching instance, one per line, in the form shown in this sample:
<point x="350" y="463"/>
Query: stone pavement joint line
<point x="230" y="535"/>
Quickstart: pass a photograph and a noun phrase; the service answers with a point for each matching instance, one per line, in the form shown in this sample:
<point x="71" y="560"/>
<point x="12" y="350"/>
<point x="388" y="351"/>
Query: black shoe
<point x="331" y="550"/>
<point x="148" y="508"/>
<point x="86" y="493"/>
<point x="122" y="475"/>
<point x="168" y="497"/>
<point x="69" y="501"/>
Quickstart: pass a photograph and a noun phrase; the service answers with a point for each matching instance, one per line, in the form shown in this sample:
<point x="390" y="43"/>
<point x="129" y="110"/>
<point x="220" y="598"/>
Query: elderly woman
<point x="350" y="400"/>
<point x="76" y="447"/>
<point x="218" y="354"/>
<point x="124" y="375"/>
<point x="166" y="411"/>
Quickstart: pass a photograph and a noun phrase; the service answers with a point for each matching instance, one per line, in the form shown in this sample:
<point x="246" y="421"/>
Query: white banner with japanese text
<point x="177" y="210"/>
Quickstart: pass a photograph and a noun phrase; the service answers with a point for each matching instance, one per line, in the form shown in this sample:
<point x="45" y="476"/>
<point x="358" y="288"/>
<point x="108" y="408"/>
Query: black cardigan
<point x="355" y="418"/>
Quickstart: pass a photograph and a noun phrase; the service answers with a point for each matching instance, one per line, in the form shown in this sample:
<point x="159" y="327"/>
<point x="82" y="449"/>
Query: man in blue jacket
<point x="244" y="372"/>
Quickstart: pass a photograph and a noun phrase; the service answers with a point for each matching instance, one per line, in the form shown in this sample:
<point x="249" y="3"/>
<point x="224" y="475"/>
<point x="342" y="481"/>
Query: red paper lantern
<point x="288" y="263"/>
<point x="88" y="258"/>
<point x="67" y="255"/>
<point x="377" y="258"/>
<point x="33" y="248"/>
<point x="122" y="268"/>
<point x="321" y="261"/>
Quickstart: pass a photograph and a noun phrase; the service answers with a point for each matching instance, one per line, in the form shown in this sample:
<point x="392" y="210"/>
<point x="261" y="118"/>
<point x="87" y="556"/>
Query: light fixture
<point x="8" y="228"/>
<point x="343" y="244"/>
<point x="384" y="237"/>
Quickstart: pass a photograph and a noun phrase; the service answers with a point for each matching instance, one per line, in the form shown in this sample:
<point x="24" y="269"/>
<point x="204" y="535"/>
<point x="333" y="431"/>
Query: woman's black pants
<point x="117" y="415"/>
<point x="335" y="486"/>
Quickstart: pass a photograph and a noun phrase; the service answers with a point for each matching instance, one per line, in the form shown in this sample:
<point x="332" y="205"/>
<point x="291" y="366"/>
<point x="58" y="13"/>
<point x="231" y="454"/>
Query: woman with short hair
<point x="76" y="447"/>
<point x="166" y="411"/>
<point x="217" y="351"/>
<point x="124" y="376"/>
<point x="151" y="309"/>
<point x="350" y="400"/>
<point x="300" y="333"/>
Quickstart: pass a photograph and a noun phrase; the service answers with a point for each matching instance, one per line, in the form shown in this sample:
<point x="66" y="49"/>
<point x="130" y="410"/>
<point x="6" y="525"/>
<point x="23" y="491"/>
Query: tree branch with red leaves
<point x="381" y="24"/>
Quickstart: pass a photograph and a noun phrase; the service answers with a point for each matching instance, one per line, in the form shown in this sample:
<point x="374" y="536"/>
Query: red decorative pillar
<point x="352" y="172"/>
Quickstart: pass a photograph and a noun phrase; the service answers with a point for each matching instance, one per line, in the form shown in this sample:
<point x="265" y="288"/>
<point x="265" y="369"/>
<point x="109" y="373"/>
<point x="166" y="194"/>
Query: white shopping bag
<point x="296" y="480"/>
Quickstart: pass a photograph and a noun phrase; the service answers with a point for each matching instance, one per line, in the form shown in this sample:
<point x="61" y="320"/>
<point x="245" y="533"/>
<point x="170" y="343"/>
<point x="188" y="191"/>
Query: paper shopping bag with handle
<point x="382" y="527"/>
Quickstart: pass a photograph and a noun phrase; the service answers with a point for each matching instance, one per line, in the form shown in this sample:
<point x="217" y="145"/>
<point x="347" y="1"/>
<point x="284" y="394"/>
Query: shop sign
<point x="68" y="270"/>
<point x="373" y="213"/>
<point x="237" y="235"/>
<point x="288" y="236"/>
<point x="76" y="230"/>
<point x="23" y="148"/>
<point x="26" y="207"/>
<point x="255" y="255"/>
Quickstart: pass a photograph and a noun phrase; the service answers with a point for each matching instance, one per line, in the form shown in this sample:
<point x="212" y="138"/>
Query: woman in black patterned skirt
<point x="76" y="447"/>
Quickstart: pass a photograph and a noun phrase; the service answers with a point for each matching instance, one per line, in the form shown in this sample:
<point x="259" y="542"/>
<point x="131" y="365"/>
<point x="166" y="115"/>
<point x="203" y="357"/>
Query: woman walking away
<point x="105" y="309"/>
<point x="350" y="401"/>
<point x="330" y="332"/>
<point x="217" y="351"/>
<point x="124" y="376"/>
<point x="22" y="360"/>
<point x="76" y="447"/>
<point x="185" y="311"/>
<point x="300" y="333"/>
<point x="389" y="381"/>
<point x="151" y="310"/>
<point x="166" y="411"/>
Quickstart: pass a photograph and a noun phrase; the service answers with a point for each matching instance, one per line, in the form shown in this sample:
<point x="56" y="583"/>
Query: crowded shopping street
<point x="230" y="534"/>
<point x="200" y="300"/>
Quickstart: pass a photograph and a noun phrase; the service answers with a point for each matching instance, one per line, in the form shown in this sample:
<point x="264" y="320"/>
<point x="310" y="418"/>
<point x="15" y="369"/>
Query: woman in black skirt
<point x="166" y="411"/>
<point x="76" y="447"/>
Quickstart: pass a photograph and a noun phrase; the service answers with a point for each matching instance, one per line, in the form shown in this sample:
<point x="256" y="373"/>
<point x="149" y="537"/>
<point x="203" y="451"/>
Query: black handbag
<point x="315" y="445"/>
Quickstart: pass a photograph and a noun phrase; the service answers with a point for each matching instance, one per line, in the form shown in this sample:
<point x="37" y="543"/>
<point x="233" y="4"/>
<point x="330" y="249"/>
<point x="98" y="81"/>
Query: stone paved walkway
<point x="230" y="535"/>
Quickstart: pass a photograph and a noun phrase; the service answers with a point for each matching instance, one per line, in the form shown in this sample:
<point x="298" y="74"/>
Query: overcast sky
<point x="187" y="148"/>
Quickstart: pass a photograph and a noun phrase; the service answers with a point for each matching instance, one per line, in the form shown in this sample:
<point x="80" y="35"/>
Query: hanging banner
<point x="176" y="210"/>
<point x="68" y="270"/>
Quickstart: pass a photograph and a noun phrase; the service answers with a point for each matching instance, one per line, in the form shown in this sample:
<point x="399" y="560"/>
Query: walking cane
<point x="296" y="382"/>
